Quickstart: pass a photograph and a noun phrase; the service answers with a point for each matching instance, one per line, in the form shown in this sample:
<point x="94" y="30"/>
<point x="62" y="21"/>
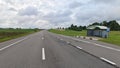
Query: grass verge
<point x="114" y="38"/>
<point x="8" y="34"/>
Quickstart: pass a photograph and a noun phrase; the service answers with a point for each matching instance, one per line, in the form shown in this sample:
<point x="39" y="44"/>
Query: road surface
<point x="46" y="50"/>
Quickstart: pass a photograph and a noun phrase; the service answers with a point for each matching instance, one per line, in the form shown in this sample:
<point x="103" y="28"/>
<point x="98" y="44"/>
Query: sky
<point x="47" y="14"/>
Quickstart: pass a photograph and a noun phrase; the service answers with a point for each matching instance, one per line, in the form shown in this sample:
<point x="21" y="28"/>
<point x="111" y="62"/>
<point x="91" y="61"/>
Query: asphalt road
<point x="46" y="50"/>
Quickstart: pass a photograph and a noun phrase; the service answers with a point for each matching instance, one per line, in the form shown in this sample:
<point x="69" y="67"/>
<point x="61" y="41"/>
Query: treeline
<point x="113" y="25"/>
<point x="77" y="28"/>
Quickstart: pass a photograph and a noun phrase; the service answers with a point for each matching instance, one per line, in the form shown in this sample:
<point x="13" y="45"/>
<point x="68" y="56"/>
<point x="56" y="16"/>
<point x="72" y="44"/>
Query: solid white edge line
<point x="107" y="47"/>
<point x="12" y="44"/>
<point x="61" y="39"/>
<point x="43" y="38"/>
<point x="94" y="44"/>
<point x="99" y="45"/>
<point x="78" y="47"/>
<point x="108" y="61"/>
<point x="43" y="54"/>
<point x="68" y="42"/>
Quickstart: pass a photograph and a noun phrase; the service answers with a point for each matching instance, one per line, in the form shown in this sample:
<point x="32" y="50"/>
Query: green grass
<point x="69" y="32"/>
<point x="8" y="34"/>
<point x="114" y="38"/>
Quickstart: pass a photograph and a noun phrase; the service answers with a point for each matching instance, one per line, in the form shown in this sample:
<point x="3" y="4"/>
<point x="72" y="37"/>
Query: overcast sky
<point x="56" y="13"/>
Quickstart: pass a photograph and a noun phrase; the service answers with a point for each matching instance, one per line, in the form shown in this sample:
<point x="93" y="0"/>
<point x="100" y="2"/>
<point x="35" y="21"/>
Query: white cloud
<point x="29" y="11"/>
<point x="75" y="4"/>
<point x="55" y="13"/>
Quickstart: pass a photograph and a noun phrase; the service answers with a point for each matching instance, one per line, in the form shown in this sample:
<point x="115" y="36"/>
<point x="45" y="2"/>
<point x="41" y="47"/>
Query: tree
<point x="84" y="27"/>
<point x="75" y="27"/>
<point x="114" y="25"/>
<point x="96" y="23"/>
<point x="80" y="28"/>
<point x="105" y="23"/>
<point x="71" y="27"/>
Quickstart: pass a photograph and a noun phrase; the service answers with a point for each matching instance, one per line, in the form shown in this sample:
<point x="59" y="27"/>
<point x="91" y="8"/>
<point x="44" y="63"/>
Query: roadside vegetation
<point x="69" y="32"/>
<point x="78" y="30"/>
<point x="113" y="25"/>
<point x="10" y="33"/>
<point x="114" y="36"/>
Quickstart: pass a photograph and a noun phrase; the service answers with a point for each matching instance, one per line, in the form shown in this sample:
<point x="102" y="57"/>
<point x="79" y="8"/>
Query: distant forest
<point x="113" y="25"/>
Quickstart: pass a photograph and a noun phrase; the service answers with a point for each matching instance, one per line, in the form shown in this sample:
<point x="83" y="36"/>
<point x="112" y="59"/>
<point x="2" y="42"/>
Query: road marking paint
<point x="12" y="44"/>
<point x="94" y="44"/>
<point x="43" y="54"/>
<point x="86" y="41"/>
<point x="99" y="45"/>
<point x="68" y="42"/>
<point x="78" y="47"/>
<point x="107" y="47"/>
<point x="108" y="61"/>
<point x="61" y="39"/>
<point x="43" y="38"/>
<point x="83" y="41"/>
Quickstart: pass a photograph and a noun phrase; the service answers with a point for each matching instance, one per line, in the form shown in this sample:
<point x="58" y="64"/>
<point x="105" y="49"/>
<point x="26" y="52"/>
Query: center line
<point x="43" y="54"/>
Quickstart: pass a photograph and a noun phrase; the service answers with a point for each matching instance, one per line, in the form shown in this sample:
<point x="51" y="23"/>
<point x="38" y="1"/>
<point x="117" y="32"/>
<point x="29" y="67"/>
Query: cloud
<point x="75" y="4"/>
<point x="12" y="9"/>
<point x="104" y="1"/>
<point x="9" y="1"/>
<point x="58" y="17"/>
<point x="55" y="13"/>
<point x="97" y="13"/>
<point x="29" y="11"/>
<point x="111" y="2"/>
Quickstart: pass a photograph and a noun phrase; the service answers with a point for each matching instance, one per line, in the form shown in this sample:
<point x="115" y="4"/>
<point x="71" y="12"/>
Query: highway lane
<point x="26" y="54"/>
<point x="45" y="50"/>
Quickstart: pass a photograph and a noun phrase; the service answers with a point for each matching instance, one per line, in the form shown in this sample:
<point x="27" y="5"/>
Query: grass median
<point x="8" y="34"/>
<point x="114" y="36"/>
